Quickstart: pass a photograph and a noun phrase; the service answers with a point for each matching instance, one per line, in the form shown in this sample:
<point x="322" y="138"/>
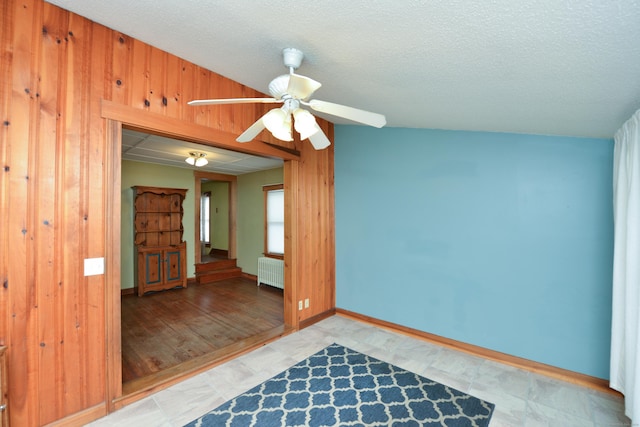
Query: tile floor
<point x="521" y="398"/>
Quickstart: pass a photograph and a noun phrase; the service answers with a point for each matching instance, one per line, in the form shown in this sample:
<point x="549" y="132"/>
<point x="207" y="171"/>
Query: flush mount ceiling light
<point x="197" y="159"/>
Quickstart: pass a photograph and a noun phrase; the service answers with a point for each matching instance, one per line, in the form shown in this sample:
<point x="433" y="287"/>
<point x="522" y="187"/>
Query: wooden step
<point x="218" y="270"/>
<point x="217" y="275"/>
<point x="216" y="265"/>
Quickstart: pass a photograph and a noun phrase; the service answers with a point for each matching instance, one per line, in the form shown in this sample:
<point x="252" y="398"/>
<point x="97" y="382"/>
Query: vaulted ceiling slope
<point x="568" y="67"/>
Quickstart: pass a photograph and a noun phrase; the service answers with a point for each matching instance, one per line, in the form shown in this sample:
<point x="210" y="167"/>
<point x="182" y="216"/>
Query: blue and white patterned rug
<point x="339" y="386"/>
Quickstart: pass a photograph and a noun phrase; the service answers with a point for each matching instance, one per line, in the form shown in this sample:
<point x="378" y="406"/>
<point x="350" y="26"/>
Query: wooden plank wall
<point x="315" y="266"/>
<point x="55" y="70"/>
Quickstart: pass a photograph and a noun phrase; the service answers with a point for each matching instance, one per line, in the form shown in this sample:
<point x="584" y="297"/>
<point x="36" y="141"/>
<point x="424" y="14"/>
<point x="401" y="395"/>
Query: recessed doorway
<point x="237" y="344"/>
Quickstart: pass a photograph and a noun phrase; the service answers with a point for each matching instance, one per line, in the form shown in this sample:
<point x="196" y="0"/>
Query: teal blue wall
<point x="503" y="241"/>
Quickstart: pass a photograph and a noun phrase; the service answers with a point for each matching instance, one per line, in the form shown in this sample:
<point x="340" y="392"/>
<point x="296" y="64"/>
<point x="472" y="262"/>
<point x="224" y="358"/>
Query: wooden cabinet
<point x="161" y="252"/>
<point x="161" y="268"/>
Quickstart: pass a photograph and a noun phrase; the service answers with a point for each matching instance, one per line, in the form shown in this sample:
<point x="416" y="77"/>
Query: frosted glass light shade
<point x="304" y="123"/>
<point x="201" y="161"/>
<point x="196" y="159"/>
<point x="273" y="119"/>
<point x="278" y="122"/>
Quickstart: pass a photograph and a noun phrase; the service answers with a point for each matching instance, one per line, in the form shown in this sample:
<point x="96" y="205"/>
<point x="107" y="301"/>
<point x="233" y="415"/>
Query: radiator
<point x="271" y="272"/>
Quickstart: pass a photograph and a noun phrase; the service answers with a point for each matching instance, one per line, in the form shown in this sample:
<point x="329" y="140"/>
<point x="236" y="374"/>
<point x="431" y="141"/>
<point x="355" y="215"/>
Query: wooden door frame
<point x="233" y="201"/>
<point x="115" y="115"/>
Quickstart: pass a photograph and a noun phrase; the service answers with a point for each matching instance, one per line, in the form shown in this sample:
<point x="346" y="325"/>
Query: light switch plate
<point x="93" y="266"/>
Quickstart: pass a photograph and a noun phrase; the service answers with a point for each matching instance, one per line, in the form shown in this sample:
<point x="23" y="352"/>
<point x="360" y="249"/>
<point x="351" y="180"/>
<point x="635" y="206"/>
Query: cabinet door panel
<point x="174" y="265"/>
<point x="153" y="267"/>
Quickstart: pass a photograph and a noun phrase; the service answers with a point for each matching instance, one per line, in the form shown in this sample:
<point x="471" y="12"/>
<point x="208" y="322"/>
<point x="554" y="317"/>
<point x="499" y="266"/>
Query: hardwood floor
<point x="164" y="329"/>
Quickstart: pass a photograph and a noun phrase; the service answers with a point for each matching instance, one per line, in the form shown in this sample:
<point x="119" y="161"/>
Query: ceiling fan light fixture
<point x="284" y="132"/>
<point x="278" y="122"/>
<point x="283" y="136"/>
<point x="304" y="123"/>
<point x="294" y="90"/>
<point x="274" y="120"/>
<point x="197" y="159"/>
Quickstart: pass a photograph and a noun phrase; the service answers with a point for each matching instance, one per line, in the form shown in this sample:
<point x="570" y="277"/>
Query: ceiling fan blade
<point x="252" y="131"/>
<point x="301" y="87"/>
<point x="361" y="116"/>
<point x="234" y="101"/>
<point x="319" y="140"/>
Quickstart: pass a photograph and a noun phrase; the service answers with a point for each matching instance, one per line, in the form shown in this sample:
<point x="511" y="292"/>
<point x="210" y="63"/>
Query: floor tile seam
<point x="498" y="407"/>
<point x="530" y="381"/>
<point x="473" y="377"/>
<point x="166" y="418"/>
<point x="592" y="401"/>
<point x="173" y="421"/>
<point x="571" y="414"/>
<point x="592" y="407"/>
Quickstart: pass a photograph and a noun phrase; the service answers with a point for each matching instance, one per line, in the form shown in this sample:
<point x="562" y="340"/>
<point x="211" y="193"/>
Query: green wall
<point x="219" y="224"/>
<point x="250" y="231"/>
<point x="137" y="173"/>
<point x="250" y="225"/>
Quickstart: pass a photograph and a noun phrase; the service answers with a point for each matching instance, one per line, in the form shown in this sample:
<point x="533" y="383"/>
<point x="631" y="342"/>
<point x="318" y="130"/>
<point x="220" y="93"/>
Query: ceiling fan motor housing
<point x="292" y="57"/>
<point x="278" y="86"/>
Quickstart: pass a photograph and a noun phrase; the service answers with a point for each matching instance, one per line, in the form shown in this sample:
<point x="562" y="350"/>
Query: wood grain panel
<point x="112" y="184"/>
<point x="53" y="47"/>
<point x="221" y="115"/>
<point x="139" y="63"/>
<point x="67" y="84"/>
<point x="94" y="183"/>
<point x="21" y="333"/>
<point x="188" y="72"/>
<point x="155" y="73"/>
<point x="121" y="70"/>
<point x="6" y="33"/>
<point x="72" y="196"/>
<point x="202" y="84"/>
<point x="315" y="233"/>
<point x="171" y="98"/>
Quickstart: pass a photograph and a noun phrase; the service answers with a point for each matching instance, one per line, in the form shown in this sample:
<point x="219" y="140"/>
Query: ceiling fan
<point x="293" y="91"/>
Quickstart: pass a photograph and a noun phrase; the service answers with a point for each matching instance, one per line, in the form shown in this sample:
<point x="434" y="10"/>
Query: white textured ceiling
<point x="555" y="67"/>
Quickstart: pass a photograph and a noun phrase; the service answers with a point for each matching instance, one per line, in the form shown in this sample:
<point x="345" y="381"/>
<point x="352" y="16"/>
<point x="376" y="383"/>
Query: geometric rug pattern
<point x="341" y="387"/>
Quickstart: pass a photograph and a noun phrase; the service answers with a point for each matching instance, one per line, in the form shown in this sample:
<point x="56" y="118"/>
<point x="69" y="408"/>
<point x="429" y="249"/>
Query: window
<point x="205" y="203"/>
<point x="274" y="220"/>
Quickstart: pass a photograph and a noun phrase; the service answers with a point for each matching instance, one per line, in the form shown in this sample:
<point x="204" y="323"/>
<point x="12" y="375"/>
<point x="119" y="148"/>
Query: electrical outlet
<point x="300" y="305"/>
<point x="306" y="303"/>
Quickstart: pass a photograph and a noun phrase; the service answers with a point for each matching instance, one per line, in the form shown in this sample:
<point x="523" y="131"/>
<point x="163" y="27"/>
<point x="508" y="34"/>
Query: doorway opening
<point x="217" y="303"/>
<point x="215" y="237"/>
